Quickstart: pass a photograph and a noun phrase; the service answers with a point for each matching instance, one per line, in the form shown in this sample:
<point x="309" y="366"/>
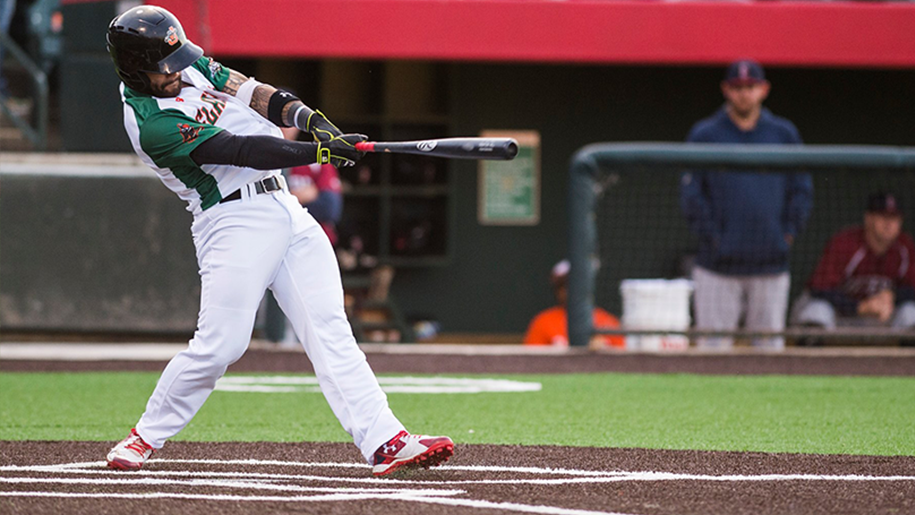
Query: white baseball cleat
<point x="406" y="451"/>
<point x="130" y="454"/>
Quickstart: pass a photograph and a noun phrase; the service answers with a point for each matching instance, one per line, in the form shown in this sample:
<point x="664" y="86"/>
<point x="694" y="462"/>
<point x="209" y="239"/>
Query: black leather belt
<point x="263" y="186"/>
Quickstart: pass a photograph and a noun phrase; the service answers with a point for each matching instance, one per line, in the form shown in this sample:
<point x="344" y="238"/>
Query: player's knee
<point x="221" y="348"/>
<point x="232" y="353"/>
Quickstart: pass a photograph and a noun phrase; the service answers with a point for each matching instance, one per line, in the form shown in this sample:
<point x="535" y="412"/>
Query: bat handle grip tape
<point x="365" y="146"/>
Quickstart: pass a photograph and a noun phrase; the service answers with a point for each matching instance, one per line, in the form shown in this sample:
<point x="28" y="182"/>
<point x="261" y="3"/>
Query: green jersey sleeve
<point x="168" y="137"/>
<point x="216" y="73"/>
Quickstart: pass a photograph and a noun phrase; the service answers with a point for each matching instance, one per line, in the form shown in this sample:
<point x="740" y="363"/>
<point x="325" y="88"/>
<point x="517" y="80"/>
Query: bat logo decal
<point x="426" y="146"/>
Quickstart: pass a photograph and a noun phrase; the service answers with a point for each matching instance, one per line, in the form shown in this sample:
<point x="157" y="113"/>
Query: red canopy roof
<point x="842" y="34"/>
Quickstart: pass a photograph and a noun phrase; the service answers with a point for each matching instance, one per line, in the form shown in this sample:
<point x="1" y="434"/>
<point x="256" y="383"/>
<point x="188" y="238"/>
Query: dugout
<point x="493" y="278"/>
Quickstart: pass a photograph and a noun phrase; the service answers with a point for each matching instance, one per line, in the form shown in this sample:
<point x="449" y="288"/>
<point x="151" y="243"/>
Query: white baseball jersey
<point x="244" y="247"/>
<point x="164" y="132"/>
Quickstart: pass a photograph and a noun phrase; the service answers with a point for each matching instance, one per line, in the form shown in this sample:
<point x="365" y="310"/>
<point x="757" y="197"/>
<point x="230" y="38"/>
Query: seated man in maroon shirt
<point x="866" y="275"/>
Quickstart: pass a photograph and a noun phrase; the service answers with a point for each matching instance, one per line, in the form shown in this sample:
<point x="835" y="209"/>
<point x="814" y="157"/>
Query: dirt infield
<point x="328" y="478"/>
<point x="249" y="478"/>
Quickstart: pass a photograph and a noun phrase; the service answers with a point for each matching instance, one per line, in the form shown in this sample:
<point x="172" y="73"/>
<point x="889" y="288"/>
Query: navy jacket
<point x="742" y="217"/>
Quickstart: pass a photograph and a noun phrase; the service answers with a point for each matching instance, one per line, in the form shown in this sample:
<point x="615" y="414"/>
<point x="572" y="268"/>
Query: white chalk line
<point x="471" y="503"/>
<point x="382" y="489"/>
<point x="603" y="477"/>
<point x="588" y="476"/>
<point x="300" y="464"/>
<point x="253" y="485"/>
<point x="404" y="384"/>
<point x="313" y="380"/>
<point x="434" y="496"/>
<point x="215" y="497"/>
<point x="524" y="508"/>
<point x="248" y="475"/>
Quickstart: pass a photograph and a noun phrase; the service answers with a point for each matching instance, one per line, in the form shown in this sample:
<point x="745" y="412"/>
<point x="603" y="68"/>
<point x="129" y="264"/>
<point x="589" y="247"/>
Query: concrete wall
<point x="93" y="245"/>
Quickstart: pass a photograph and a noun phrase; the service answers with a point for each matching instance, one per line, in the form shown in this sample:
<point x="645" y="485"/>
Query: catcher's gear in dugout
<point x="148" y="39"/>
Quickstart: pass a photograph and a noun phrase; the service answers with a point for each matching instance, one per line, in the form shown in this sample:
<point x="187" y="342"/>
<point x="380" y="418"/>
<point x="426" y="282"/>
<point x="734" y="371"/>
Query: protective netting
<point x="643" y="234"/>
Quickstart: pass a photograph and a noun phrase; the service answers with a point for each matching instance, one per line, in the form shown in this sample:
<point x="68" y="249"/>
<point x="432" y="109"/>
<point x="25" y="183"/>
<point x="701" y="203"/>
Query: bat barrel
<point x="458" y="148"/>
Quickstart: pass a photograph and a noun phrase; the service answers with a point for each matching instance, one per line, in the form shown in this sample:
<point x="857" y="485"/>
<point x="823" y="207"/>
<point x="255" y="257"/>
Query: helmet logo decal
<point x="171" y="37"/>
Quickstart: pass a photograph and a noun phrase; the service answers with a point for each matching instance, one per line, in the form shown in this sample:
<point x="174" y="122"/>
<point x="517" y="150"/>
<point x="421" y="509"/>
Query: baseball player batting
<point x="212" y="135"/>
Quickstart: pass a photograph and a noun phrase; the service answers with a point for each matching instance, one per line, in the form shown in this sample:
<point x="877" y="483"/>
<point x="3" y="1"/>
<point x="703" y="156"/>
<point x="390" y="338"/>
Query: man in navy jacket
<point x="746" y="220"/>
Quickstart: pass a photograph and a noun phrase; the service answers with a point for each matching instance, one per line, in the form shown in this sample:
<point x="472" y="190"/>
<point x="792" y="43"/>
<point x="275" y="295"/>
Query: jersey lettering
<point x="864" y="286"/>
<point x="210" y="114"/>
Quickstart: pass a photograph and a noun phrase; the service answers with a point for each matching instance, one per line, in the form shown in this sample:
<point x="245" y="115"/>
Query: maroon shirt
<point x="326" y="209"/>
<point x="850" y="272"/>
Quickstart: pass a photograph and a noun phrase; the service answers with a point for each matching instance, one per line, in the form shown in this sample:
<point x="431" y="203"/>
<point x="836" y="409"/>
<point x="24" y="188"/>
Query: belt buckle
<point x="261" y="186"/>
<point x="269" y="184"/>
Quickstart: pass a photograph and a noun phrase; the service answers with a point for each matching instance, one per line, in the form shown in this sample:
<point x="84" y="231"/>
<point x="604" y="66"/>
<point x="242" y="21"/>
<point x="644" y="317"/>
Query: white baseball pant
<point x="720" y="300"/>
<point x="244" y="247"/>
<point x="809" y="310"/>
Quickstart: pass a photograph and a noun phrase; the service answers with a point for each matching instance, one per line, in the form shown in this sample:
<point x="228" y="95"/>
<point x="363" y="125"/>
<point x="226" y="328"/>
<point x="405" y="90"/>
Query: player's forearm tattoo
<point x="235" y="81"/>
<point x="260" y="100"/>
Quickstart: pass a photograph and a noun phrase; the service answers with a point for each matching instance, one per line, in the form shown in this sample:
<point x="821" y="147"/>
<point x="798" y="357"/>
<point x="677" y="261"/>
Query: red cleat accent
<point x="130" y="453"/>
<point x="406" y="451"/>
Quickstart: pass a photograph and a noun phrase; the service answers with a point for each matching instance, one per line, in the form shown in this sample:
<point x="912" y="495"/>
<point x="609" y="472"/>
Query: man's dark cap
<point x="885" y="203"/>
<point x="745" y="71"/>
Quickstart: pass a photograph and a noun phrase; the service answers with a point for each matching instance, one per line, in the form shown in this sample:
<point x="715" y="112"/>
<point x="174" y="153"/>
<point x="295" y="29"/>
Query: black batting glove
<point x="321" y="128"/>
<point x="315" y="122"/>
<point x="341" y="150"/>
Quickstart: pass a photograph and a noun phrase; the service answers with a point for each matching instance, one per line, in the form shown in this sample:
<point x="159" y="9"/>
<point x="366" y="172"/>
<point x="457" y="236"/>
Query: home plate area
<point x="255" y="478"/>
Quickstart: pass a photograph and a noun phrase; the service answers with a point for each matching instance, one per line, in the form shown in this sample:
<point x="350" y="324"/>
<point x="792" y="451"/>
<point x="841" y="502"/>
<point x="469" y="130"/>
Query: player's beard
<point x="169" y="89"/>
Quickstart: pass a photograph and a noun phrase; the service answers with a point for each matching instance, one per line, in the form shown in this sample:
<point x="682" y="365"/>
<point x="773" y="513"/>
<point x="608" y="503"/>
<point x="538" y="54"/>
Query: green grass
<point x="798" y="414"/>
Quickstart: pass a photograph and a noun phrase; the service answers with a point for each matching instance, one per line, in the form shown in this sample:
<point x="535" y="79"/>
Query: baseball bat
<point x="458" y="148"/>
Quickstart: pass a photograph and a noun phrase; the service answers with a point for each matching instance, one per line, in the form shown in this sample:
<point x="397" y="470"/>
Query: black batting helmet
<point x="148" y="39"/>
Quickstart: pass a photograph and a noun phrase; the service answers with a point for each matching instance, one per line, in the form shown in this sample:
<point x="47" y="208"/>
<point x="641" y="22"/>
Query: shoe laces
<point x="137" y="444"/>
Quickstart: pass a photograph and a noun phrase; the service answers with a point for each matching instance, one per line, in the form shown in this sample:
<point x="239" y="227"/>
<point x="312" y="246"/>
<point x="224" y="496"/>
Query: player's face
<point x="165" y="85"/>
<point x="883" y="228"/>
<point x="745" y="98"/>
